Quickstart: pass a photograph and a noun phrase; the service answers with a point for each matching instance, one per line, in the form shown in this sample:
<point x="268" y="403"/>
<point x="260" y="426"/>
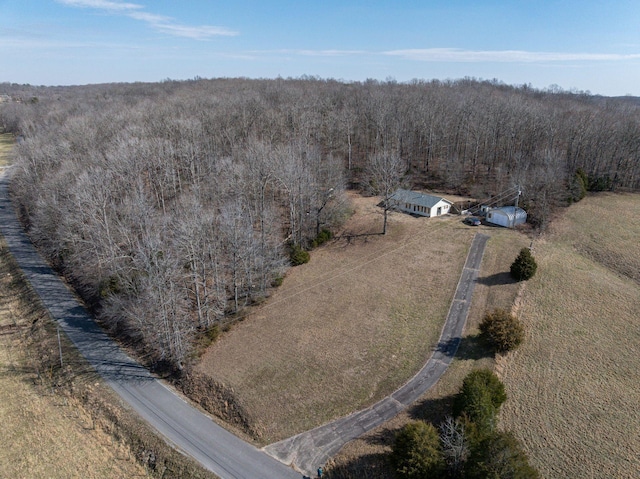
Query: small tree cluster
<point x="479" y="400"/>
<point x="492" y="453"/>
<point x="500" y="455"/>
<point x="469" y="446"/>
<point x="503" y="329"/>
<point x="524" y="266"/>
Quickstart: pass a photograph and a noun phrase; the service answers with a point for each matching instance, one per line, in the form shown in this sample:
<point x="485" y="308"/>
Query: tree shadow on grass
<point x="383" y="436"/>
<point x="433" y="411"/>
<point x="367" y="466"/>
<point x="470" y="347"/>
<point x="496" y="279"/>
<point x="475" y="347"/>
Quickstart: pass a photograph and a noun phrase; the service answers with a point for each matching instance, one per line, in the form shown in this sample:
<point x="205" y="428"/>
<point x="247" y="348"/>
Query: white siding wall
<point x="444" y="208"/>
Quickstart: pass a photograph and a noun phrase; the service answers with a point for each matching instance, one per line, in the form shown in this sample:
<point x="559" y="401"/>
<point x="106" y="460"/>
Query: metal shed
<point x="507" y="216"/>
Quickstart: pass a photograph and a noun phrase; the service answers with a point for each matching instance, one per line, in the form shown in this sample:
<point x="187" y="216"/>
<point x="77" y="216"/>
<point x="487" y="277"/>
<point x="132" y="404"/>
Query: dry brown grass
<point x="366" y="457"/>
<point x="42" y="435"/>
<point x="573" y="385"/>
<point x="6" y="143"/>
<point x="348" y="328"/>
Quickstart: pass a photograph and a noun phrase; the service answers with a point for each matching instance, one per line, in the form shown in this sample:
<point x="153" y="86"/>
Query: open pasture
<point x="573" y="385"/>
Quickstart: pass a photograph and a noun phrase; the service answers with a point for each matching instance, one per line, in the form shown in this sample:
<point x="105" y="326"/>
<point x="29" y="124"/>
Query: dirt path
<point x="308" y="450"/>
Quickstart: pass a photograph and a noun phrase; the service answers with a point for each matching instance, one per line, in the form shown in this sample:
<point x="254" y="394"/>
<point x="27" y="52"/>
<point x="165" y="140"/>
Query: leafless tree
<point x="201" y="184"/>
<point x="455" y="445"/>
<point x="384" y="172"/>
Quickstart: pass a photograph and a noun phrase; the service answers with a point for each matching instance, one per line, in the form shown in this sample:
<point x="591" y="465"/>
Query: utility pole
<point x="515" y="209"/>
<point x="59" y="346"/>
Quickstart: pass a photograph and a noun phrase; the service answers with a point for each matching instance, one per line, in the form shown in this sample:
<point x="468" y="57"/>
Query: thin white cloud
<point x="503" y="56"/>
<point x="454" y="55"/>
<point x="161" y="23"/>
<point x="101" y="4"/>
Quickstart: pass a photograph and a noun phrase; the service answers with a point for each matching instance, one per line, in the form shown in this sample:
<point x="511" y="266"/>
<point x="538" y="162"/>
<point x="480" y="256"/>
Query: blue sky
<point x="584" y="45"/>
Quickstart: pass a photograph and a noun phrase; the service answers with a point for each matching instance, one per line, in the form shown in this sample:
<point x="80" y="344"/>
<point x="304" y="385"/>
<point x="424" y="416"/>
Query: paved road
<point x="311" y="449"/>
<point x="188" y="429"/>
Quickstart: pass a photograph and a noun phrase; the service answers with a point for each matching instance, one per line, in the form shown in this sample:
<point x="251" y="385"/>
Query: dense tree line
<point x="171" y="205"/>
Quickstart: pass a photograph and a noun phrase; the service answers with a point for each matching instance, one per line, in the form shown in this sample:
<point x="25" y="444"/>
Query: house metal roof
<point x="415" y="198"/>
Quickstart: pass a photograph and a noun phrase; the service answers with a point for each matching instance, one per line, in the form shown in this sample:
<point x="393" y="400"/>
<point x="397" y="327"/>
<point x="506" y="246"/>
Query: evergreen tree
<point x="479" y="400"/>
<point x="503" y="329"/>
<point x="499" y="456"/>
<point x="524" y="266"/>
<point x="417" y="452"/>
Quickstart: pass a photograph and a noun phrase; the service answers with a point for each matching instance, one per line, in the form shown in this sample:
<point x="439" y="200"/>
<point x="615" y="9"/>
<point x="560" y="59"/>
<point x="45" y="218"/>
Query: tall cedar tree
<point x="524" y="266"/>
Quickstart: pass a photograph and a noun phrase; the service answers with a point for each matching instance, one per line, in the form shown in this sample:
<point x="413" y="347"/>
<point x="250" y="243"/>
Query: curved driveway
<point x="192" y="431"/>
<point x="188" y="429"/>
<point x="310" y="449"/>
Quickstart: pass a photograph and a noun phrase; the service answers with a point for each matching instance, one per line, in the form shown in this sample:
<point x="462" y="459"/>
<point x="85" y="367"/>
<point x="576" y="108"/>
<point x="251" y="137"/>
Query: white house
<point x="507" y="216"/>
<point x="419" y="203"/>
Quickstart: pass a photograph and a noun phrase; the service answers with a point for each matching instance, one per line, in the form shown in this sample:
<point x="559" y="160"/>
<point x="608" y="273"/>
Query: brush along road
<point x="182" y="425"/>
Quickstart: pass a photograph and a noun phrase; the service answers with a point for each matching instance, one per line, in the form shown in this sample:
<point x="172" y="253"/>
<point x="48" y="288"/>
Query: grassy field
<point x="6" y="143"/>
<point x="367" y="456"/>
<point x="42" y="435"/>
<point x="574" y="385"/>
<point x="349" y="327"/>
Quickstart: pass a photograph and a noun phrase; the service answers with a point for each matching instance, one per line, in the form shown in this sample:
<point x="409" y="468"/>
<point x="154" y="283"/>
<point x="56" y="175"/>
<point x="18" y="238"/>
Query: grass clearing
<point x="348" y="328"/>
<point x="43" y="435"/>
<point x="573" y="384"/>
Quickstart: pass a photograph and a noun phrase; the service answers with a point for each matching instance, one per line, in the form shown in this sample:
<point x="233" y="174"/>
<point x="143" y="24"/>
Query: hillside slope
<point x="573" y="385"/>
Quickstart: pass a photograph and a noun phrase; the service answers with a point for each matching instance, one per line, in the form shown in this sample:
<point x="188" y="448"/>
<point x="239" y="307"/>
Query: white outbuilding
<point x="421" y="204"/>
<point x="507" y="216"/>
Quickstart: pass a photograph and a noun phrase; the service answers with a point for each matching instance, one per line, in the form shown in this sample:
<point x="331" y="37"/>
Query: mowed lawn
<point x="574" y="385"/>
<point x="348" y="328"/>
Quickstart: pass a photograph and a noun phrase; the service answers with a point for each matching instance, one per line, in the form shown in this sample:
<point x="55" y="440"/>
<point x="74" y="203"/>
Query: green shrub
<point x="499" y="456"/>
<point x="417" y="452"/>
<point x="599" y="183"/>
<point x="277" y="282"/>
<point x="584" y="178"/>
<point x="110" y="287"/>
<point x="578" y="186"/>
<point x="298" y="255"/>
<point x="213" y="332"/>
<point x="524" y="266"/>
<point x="503" y="329"/>
<point x="480" y="397"/>
<point x="324" y="236"/>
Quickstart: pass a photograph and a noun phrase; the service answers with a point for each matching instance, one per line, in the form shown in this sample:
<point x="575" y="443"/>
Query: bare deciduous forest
<point x="172" y="206"/>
